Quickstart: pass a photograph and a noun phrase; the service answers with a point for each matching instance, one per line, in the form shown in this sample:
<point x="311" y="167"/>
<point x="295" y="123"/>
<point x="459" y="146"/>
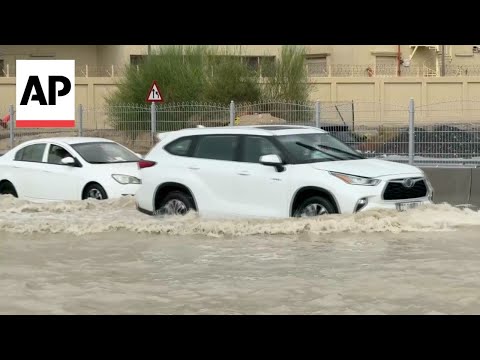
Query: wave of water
<point x="92" y="216"/>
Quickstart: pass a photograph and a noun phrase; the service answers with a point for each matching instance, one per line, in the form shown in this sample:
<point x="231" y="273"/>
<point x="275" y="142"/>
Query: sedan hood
<point x="368" y="167"/>
<point x="130" y="168"/>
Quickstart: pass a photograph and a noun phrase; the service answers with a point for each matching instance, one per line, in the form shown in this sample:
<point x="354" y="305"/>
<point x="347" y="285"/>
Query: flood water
<point x="93" y="257"/>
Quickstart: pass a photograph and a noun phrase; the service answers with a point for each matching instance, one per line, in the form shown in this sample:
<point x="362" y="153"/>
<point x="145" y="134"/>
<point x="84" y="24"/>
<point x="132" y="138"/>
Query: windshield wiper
<point x="341" y="151"/>
<point x="313" y="148"/>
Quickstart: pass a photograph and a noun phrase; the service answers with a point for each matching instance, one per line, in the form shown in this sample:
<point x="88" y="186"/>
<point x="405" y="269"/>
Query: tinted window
<point x="105" y="153"/>
<point x="218" y="147"/>
<point x="32" y="153"/>
<point x="56" y="154"/>
<point x="256" y="146"/>
<point x="179" y="147"/>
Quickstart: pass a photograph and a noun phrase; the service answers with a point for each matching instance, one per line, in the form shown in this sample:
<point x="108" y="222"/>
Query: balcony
<point x="313" y="71"/>
<point x="81" y="71"/>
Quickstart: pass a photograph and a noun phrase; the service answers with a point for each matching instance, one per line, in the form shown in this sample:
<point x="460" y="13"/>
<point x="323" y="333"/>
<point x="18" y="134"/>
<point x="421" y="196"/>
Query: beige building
<point x="380" y="79"/>
<point x="322" y="60"/>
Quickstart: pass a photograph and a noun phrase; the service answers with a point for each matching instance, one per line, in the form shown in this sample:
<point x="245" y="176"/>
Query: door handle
<point x="244" y="173"/>
<point x="194" y="168"/>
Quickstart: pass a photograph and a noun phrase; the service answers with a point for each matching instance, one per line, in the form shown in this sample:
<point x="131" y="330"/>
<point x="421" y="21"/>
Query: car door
<point x="214" y="165"/>
<point x="64" y="180"/>
<point x="263" y="189"/>
<point x="27" y="170"/>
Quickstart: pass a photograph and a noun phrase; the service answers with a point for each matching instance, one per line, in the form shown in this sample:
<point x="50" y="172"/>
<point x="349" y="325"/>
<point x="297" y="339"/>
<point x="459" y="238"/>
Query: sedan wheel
<point x="95" y="194"/>
<point x="94" y="191"/>
<point x="7" y="188"/>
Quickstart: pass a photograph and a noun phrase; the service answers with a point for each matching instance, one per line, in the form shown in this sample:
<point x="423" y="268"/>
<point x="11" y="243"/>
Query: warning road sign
<point x="154" y="95"/>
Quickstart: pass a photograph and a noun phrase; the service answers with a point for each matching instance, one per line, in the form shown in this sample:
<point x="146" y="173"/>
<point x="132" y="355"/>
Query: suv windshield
<point x="317" y="147"/>
<point x="105" y="153"/>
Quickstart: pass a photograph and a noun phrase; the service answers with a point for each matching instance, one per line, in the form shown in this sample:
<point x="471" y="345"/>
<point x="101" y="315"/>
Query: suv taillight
<point x="142" y="164"/>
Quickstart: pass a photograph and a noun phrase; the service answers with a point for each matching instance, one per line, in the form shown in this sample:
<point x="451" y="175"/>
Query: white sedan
<point x="74" y="168"/>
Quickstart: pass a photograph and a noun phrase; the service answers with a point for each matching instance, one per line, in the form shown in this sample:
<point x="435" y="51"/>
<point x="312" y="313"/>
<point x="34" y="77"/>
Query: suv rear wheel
<point x="176" y="203"/>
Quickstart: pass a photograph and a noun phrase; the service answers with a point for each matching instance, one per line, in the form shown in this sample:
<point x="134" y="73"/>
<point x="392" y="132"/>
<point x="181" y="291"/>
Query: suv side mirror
<point x="272" y="160"/>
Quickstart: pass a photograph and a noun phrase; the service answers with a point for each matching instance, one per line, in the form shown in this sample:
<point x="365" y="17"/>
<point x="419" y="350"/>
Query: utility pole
<point x="443" y="61"/>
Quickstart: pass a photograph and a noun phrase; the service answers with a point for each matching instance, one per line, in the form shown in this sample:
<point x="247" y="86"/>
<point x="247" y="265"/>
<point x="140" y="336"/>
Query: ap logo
<point x="45" y="92"/>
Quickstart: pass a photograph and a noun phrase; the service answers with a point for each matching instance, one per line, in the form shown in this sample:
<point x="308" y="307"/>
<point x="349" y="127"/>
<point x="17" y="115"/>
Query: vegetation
<point x="200" y="74"/>
<point x="288" y="80"/>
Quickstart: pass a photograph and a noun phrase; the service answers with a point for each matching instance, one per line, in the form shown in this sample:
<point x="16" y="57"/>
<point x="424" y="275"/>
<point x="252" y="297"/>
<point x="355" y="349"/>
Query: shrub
<point x="200" y="74"/>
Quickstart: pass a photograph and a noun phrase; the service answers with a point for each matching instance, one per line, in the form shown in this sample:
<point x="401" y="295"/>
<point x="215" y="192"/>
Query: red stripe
<point x="45" y="123"/>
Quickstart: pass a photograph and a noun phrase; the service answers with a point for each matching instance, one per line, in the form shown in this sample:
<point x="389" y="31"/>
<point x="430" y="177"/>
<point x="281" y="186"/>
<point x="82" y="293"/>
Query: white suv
<point x="270" y="171"/>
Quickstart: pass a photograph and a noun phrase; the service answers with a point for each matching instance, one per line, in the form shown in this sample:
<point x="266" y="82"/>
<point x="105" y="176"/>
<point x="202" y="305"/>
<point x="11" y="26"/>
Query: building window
<point x="2" y="68"/>
<point x="253" y="62"/>
<point x="316" y="65"/>
<point x="385" y="65"/>
<point x="264" y="64"/>
<point x="267" y="65"/>
<point x="137" y="59"/>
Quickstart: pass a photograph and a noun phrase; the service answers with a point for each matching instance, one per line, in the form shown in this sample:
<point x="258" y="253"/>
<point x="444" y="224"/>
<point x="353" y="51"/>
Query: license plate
<point x="407" y="206"/>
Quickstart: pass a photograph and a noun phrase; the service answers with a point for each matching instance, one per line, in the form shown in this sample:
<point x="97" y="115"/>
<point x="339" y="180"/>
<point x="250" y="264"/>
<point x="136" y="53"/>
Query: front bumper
<point x="394" y="205"/>
<point x="375" y="196"/>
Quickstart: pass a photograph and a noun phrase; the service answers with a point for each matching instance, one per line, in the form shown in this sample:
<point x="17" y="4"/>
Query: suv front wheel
<point x="314" y="206"/>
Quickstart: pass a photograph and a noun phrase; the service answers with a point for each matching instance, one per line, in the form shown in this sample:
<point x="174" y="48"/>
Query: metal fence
<point x="442" y="133"/>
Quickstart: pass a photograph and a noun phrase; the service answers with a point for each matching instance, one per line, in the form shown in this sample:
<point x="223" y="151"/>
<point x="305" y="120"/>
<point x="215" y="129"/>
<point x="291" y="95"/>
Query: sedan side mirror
<point x="272" y="160"/>
<point x="68" y="161"/>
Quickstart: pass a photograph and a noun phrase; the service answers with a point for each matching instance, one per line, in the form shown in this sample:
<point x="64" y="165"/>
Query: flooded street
<point x="106" y="258"/>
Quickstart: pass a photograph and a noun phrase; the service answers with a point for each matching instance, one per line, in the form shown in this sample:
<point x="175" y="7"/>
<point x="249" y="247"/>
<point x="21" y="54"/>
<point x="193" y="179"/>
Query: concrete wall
<point x="475" y="187"/>
<point x="338" y="54"/>
<point x="90" y="92"/>
<point x="456" y="186"/>
<point x="377" y="101"/>
<point x="118" y="54"/>
<point x="83" y="54"/>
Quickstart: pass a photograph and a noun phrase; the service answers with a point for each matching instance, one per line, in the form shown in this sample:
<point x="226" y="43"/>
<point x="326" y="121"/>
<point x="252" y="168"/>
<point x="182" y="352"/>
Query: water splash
<point x="92" y="216"/>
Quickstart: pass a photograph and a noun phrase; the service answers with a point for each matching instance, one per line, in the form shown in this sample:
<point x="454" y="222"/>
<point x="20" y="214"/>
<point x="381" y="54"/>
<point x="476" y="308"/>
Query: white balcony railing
<point x="313" y="71"/>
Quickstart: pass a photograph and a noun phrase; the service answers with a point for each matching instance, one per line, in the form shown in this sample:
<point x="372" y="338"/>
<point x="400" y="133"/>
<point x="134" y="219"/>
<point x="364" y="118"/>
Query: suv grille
<point x="397" y="190"/>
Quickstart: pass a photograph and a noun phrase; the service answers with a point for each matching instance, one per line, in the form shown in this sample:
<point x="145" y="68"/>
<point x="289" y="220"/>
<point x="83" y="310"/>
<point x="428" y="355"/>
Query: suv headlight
<point x="355" y="180"/>
<point x="126" y="179"/>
